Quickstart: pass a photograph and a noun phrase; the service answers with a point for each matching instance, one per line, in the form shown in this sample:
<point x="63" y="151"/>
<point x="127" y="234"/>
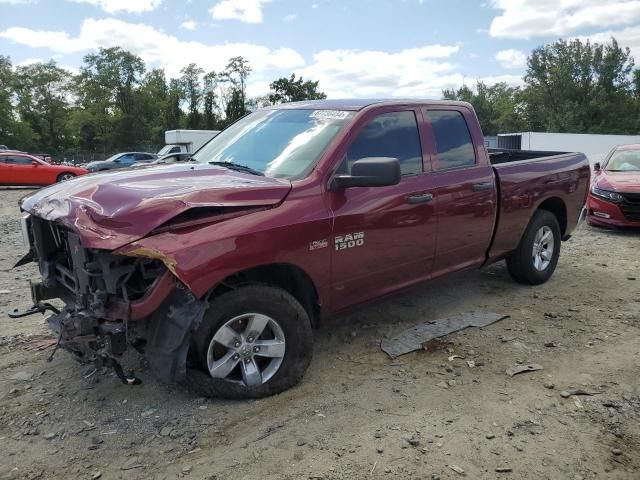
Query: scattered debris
<point x="503" y="469"/>
<point x="22" y="377"/>
<point x="490" y="436"/>
<point x="457" y="469"/>
<point x="412" y="440"/>
<point x="616" y="452"/>
<point x="453" y="357"/>
<point x="471" y="363"/>
<point x="527" y="367"/>
<point x="415" y="338"/>
<point x="133" y="462"/>
<point x="549" y="386"/>
<point x="578" y="391"/>
<point x="550" y="344"/>
<point x="39" y="345"/>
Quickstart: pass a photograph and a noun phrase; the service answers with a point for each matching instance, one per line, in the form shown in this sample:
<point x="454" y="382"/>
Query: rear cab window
<point x="394" y="135"/>
<point x="453" y="144"/>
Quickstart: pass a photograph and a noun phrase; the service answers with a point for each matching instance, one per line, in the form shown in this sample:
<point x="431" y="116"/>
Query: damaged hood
<point x="109" y="210"/>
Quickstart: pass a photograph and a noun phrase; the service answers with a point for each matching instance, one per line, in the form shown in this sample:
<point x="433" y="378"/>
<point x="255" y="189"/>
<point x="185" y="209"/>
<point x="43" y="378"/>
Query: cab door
<point x="383" y="238"/>
<point x="464" y="187"/>
<point x="23" y="170"/>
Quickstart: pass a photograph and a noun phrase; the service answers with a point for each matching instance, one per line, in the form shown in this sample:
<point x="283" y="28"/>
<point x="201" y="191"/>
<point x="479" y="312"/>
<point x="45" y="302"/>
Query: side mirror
<point x="597" y="167"/>
<point x="369" y="172"/>
<point x="34" y="163"/>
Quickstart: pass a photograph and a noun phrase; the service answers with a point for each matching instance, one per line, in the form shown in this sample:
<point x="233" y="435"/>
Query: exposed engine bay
<point x="111" y="302"/>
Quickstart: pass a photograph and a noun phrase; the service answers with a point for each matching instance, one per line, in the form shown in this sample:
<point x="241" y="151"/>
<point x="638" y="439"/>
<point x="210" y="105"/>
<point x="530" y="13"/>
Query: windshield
<point x="113" y="157"/>
<point x="624" y="161"/>
<point x="166" y="149"/>
<point x="278" y="143"/>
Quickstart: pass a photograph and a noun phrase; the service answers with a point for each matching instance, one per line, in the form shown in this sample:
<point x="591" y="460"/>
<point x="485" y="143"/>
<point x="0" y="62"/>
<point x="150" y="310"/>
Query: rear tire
<point x="226" y="333"/>
<point x="63" y="177"/>
<point x="536" y="257"/>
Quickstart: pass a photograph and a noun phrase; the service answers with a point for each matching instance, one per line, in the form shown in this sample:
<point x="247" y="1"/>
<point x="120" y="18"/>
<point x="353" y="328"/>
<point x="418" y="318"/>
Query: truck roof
<point x="357" y="104"/>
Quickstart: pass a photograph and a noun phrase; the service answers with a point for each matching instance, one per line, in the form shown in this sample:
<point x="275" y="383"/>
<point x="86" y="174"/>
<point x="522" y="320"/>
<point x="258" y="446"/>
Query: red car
<point x="614" y="199"/>
<point x="17" y="168"/>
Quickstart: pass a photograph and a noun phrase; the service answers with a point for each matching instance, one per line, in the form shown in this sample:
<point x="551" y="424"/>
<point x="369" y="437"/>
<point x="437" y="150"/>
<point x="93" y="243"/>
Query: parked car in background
<point x="614" y="198"/>
<point x="3" y="147"/>
<point x="121" y="160"/>
<point x="17" y="168"/>
<point x="185" y="141"/>
<point x="173" y="158"/>
<point x="294" y="212"/>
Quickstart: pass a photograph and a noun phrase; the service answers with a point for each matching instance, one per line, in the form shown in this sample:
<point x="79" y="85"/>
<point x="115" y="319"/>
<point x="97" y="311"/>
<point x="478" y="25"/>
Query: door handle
<point x="420" y="198"/>
<point x="478" y="187"/>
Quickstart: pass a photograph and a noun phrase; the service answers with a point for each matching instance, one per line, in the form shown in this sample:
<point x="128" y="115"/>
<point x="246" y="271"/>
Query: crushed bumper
<point x="112" y="303"/>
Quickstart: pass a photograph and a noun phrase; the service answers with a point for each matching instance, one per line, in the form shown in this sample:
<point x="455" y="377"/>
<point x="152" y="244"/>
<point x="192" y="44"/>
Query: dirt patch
<point x="358" y="414"/>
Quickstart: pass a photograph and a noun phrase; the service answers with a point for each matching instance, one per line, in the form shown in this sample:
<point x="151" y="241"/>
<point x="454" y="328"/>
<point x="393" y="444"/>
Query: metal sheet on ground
<point x="415" y="338"/>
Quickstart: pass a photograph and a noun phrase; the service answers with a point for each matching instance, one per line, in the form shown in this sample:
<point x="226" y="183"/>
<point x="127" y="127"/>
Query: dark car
<point x="294" y="212"/>
<point x="121" y="160"/>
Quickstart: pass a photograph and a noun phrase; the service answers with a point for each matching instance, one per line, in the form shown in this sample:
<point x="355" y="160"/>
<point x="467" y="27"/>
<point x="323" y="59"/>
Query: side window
<point x="174" y="150"/>
<point x="18" y="160"/>
<point x="453" y="140"/>
<point x="393" y="135"/>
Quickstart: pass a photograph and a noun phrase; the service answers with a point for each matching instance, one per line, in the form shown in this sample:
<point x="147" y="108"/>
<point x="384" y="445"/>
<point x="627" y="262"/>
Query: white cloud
<point x="542" y="18"/>
<point x="248" y="11"/>
<point x="415" y="72"/>
<point x="127" y="6"/>
<point x="188" y="25"/>
<point x="290" y="18"/>
<point x="58" y="41"/>
<point x="511" y="58"/>
<point x="627" y="37"/>
<point x="155" y="47"/>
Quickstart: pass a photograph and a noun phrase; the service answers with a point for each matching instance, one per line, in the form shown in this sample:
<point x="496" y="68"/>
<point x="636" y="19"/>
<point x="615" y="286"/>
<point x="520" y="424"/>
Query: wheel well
<point x="556" y="206"/>
<point x="286" y="276"/>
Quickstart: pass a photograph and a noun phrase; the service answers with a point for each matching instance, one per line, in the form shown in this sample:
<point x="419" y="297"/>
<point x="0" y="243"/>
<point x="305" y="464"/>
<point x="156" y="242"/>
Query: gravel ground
<point x="358" y="414"/>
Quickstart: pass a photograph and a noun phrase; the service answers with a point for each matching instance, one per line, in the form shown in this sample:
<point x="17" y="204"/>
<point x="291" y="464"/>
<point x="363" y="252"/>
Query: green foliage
<point x="291" y="90"/>
<point x="580" y="87"/>
<point x="497" y="106"/>
<point x="115" y="104"/>
<point x="570" y="86"/>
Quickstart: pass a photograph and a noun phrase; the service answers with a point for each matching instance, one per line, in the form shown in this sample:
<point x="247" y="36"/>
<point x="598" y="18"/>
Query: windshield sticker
<point x="329" y="114"/>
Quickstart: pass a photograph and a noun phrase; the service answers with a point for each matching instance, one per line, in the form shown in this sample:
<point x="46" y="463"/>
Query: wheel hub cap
<point x="543" y="244"/>
<point x="248" y="349"/>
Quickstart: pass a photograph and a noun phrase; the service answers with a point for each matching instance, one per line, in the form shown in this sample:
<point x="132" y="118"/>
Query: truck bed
<point x="504" y="155"/>
<point x="523" y="179"/>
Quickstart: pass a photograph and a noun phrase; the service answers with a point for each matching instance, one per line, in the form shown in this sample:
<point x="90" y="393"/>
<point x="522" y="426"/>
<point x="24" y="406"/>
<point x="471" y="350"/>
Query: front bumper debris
<point x="112" y="303"/>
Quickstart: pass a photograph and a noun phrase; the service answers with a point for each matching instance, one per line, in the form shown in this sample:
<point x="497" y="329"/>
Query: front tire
<point x="254" y="341"/>
<point x="537" y="255"/>
<point x="63" y="177"/>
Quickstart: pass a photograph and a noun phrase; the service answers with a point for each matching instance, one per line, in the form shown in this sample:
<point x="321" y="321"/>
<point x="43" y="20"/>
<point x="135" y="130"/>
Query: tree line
<point x="569" y="87"/>
<point x="115" y="103"/>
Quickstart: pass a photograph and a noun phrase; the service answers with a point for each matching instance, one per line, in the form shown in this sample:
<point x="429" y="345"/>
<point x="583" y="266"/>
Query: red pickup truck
<point x="218" y="268"/>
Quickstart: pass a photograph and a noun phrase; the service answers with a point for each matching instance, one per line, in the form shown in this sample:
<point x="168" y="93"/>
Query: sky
<point x="355" y="48"/>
